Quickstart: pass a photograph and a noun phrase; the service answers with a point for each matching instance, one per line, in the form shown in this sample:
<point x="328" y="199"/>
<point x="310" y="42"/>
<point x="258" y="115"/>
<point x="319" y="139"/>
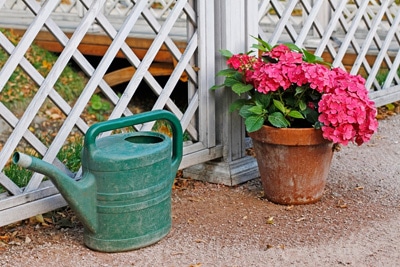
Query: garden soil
<point x="356" y="223"/>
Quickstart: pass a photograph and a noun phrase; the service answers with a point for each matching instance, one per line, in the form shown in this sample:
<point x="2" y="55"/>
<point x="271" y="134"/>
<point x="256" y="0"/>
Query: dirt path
<point x="357" y="223"/>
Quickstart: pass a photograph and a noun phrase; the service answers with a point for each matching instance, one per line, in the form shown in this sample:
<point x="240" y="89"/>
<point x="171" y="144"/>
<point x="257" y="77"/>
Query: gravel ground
<point x="357" y="222"/>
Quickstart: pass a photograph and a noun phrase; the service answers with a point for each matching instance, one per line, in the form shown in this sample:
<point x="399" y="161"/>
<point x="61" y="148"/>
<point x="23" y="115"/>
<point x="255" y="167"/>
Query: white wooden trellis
<point x="327" y="26"/>
<point x="40" y="196"/>
<point x="339" y="28"/>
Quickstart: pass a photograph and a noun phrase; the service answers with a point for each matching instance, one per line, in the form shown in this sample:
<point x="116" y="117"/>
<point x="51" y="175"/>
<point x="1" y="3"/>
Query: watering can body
<point x="127" y="180"/>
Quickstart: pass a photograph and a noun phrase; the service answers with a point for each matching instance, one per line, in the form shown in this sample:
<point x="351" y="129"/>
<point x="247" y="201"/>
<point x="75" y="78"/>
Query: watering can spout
<point x="80" y="195"/>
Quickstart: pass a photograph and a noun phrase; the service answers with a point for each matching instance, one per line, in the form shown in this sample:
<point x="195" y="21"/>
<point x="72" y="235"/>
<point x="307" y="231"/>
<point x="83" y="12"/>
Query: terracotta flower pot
<point x="294" y="163"/>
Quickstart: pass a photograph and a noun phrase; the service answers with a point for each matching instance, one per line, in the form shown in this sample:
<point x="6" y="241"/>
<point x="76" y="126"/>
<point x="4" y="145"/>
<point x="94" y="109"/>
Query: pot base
<point x="293" y="163"/>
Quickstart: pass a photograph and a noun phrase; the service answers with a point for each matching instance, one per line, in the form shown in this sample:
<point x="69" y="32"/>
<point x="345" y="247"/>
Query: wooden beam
<point x="97" y="44"/>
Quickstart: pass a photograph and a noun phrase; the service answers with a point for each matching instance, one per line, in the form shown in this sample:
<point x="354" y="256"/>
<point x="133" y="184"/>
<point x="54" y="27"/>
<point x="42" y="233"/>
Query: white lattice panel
<point x="175" y="14"/>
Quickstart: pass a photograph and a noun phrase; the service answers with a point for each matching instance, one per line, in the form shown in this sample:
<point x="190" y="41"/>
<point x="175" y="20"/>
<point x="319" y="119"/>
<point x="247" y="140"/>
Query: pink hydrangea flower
<point x="282" y="53"/>
<point x="241" y="62"/>
<point x="347" y="113"/>
<point x="345" y="110"/>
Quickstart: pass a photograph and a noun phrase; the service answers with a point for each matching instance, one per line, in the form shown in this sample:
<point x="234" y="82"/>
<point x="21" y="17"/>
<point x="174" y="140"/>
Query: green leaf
<point x="231" y="81"/>
<point x="318" y="125"/>
<point x="311" y="58"/>
<point x="295" y="114"/>
<point x="293" y="47"/>
<point x="244" y="111"/>
<point x="390" y="106"/>
<point x="257" y="110"/>
<point x="227" y="72"/>
<point x="237" y="105"/>
<point x="263" y="99"/>
<point x="106" y="105"/>
<point x="280" y="106"/>
<point x="263" y="45"/>
<point x="299" y="90"/>
<point x="302" y="105"/>
<point x="259" y="47"/>
<point x="96" y="105"/>
<point x="254" y="123"/>
<point x="215" y="87"/>
<point x="226" y="53"/>
<point x="311" y="115"/>
<point x="278" y="120"/>
<point x="240" y="88"/>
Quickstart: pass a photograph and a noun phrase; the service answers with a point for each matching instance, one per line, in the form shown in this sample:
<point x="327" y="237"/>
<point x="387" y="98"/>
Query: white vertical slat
<point x="206" y="60"/>
<point x="232" y="34"/>
<point x="187" y="117"/>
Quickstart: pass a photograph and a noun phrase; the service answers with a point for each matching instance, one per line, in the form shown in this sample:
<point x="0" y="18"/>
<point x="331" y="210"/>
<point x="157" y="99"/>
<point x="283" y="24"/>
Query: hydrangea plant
<point x="289" y="87"/>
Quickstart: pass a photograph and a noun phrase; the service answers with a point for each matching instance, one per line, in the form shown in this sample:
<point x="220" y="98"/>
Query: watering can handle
<point x="177" y="140"/>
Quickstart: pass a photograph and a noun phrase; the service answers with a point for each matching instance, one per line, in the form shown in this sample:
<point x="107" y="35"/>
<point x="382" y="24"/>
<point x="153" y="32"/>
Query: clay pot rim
<point x="289" y="136"/>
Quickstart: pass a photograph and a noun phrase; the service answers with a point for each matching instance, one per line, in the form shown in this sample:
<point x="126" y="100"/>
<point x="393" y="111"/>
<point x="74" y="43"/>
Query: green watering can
<point x="123" y="198"/>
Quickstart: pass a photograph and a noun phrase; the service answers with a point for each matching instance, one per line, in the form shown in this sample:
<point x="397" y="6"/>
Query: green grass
<point x="17" y="174"/>
<point x="20" y="88"/>
<point x="70" y="155"/>
<point x="382" y="75"/>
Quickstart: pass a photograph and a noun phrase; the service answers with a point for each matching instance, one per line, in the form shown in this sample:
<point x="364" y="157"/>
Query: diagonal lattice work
<point x="362" y="36"/>
<point x="170" y="26"/>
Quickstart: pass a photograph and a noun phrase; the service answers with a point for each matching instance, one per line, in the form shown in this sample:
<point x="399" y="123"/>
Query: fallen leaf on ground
<point x="289" y="207"/>
<point x="341" y="204"/>
<point x="39" y="218"/>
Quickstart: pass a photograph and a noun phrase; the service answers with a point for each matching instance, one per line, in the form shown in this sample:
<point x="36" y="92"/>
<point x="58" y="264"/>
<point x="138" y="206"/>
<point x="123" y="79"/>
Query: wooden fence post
<point x="235" y="22"/>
